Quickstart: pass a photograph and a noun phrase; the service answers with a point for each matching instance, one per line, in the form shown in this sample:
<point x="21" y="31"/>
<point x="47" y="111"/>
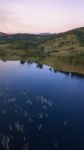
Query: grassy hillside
<point x="65" y="44"/>
<point x="64" y="51"/>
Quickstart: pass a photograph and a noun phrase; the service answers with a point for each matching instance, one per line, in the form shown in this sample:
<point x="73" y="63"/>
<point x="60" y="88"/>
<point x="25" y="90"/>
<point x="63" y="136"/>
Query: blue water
<point x="40" y="108"/>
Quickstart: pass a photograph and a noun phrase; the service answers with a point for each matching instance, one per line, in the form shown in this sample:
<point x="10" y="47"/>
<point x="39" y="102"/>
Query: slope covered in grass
<point x="64" y="50"/>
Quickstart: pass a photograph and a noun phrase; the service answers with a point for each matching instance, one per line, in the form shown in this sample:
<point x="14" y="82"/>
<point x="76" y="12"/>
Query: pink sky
<point x="35" y="16"/>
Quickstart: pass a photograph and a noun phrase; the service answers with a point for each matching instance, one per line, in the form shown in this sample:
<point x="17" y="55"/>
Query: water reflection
<point x="40" y="66"/>
<point x="16" y="133"/>
<point x="76" y="75"/>
<point x="22" y="62"/>
<point x="40" y="108"/>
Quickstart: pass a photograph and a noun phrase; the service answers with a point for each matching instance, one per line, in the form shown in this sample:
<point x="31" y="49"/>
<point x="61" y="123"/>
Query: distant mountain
<point x="45" y="34"/>
<point x="72" y="40"/>
<point x="1" y="33"/>
<point x="79" y="32"/>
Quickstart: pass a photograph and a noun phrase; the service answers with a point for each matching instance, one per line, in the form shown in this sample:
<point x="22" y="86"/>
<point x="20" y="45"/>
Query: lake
<point x="40" y="108"/>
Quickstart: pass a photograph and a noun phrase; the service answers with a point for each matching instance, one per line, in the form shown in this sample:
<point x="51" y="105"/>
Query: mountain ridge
<point x="79" y="28"/>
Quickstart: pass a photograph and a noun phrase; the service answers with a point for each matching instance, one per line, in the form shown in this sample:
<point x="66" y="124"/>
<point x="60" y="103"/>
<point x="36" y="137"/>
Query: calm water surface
<point x="40" y="108"/>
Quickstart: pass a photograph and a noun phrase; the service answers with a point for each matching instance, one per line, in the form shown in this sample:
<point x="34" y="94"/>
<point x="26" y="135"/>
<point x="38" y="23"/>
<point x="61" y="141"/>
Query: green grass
<point x="64" y="51"/>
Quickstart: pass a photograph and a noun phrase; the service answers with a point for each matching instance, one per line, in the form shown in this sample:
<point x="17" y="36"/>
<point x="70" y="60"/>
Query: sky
<point x="40" y="16"/>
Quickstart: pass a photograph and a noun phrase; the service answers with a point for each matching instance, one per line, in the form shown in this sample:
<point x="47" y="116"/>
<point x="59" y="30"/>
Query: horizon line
<point x="42" y="32"/>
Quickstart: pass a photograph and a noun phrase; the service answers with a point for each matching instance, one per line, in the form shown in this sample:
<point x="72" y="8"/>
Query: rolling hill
<point x="64" y="51"/>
